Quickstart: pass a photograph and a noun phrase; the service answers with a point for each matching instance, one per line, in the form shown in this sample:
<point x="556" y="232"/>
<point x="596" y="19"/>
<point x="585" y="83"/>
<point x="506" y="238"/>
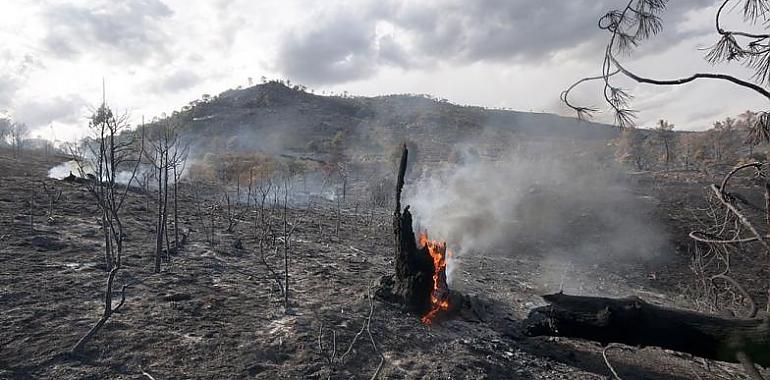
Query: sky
<point x="155" y="56"/>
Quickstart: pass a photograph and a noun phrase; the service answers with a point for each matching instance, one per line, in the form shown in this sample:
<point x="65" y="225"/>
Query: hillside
<point x="277" y="119"/>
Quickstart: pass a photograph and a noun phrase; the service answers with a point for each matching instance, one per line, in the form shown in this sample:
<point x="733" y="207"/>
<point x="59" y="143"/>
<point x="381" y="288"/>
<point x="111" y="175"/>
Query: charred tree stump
<point x="634" y="322"/>
<point x="413" y="280"/>
<point x="412" y="283"/>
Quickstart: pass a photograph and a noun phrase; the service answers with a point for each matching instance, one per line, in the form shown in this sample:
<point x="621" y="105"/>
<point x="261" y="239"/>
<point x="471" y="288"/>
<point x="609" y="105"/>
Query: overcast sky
<point x="157" y="55"/>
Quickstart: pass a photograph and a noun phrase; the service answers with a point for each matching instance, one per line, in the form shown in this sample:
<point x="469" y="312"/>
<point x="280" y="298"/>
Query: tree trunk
<point x="338" y="218"/>
<point x="78" y="347"/>
<point x="286" y="238"/>
<point x="107" y="243"/>
<point x="165" y="209"/>
<point x="176" y="214"/>
<point x="767" y="213"/>
<point x="159" y="229"/>
<point x="635" y="322"/>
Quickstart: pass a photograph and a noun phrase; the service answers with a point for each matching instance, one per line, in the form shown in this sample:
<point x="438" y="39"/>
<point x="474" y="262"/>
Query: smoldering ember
<point x="526" y="189"/>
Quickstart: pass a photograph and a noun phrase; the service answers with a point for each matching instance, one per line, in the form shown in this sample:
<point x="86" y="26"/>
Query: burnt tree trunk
<point x="635" y="322"/>
<point x="108" y="310"/>
<point x="412" y="283"/>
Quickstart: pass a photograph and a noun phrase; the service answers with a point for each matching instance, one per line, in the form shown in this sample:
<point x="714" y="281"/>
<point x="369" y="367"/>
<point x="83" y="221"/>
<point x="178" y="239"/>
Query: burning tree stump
<point x="419" y="282"/>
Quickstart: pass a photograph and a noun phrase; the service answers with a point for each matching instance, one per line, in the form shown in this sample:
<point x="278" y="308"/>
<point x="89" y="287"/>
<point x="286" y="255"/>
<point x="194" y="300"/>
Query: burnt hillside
<point x="277" y="119"/>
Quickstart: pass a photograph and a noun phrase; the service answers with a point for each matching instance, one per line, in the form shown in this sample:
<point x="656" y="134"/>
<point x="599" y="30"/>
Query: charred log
<point x="634" y="322"/>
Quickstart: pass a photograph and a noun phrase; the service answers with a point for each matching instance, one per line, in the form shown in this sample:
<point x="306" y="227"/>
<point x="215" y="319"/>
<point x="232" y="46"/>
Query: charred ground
<point x="215" y="312"/>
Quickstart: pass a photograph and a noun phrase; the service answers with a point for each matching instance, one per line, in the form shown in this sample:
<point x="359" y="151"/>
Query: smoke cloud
<point x="563" y="209"/>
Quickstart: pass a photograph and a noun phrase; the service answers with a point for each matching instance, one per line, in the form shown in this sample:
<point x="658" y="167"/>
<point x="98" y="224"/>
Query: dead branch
<point x="753" y="305"/>
<point x="369" y="331"/>
<point x="147" y="375"/>
<point x="583" y="112"/>
<point x="331" y="358"/>
<point x="122" y="297"/>
<point x="276" y="277"/>
<point x="607" y="361"/>
<point x="367" y="327"/>
<point x="691" y="78"/>
<point x="700" y="236"/>
<point x="333" y="355"/>
<point x="729" y="175"/>
<point x="54" y="195"/>
<point x="743" y="219"/>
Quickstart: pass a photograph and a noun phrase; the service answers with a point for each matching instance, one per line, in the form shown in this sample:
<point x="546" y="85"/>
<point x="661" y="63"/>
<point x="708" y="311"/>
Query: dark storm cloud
<point x="126" y="29"/>
<point x="346" y="47"/>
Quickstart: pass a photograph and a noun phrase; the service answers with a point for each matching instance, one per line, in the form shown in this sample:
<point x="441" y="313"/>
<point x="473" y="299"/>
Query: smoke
<point x="563" y="209"/>
<point x="65" y="169"/>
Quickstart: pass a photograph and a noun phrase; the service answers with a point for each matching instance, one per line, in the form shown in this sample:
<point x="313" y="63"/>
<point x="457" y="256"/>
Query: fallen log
<point x="634" y="322"/>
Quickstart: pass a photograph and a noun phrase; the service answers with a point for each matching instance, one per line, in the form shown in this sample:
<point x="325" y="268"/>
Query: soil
<point x="215" y="311"/>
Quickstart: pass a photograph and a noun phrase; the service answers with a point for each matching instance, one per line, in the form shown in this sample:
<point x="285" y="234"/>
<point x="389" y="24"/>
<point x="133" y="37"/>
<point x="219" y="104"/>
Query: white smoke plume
<point x="567" y="209"/>
<point x="72" y="167"/>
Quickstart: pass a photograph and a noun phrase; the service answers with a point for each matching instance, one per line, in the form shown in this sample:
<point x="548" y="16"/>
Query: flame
<point x="439" y="298"/>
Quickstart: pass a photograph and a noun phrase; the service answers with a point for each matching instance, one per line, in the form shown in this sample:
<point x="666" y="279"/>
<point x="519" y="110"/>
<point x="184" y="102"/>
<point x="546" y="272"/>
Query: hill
<point x="277" y="119"/>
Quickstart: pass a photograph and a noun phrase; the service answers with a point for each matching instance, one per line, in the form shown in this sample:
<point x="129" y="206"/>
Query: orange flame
<point x="439" y="298"/>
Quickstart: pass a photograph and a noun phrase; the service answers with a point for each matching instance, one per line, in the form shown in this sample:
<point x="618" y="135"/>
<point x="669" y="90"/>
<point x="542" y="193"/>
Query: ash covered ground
<point x="215" y="310"/>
